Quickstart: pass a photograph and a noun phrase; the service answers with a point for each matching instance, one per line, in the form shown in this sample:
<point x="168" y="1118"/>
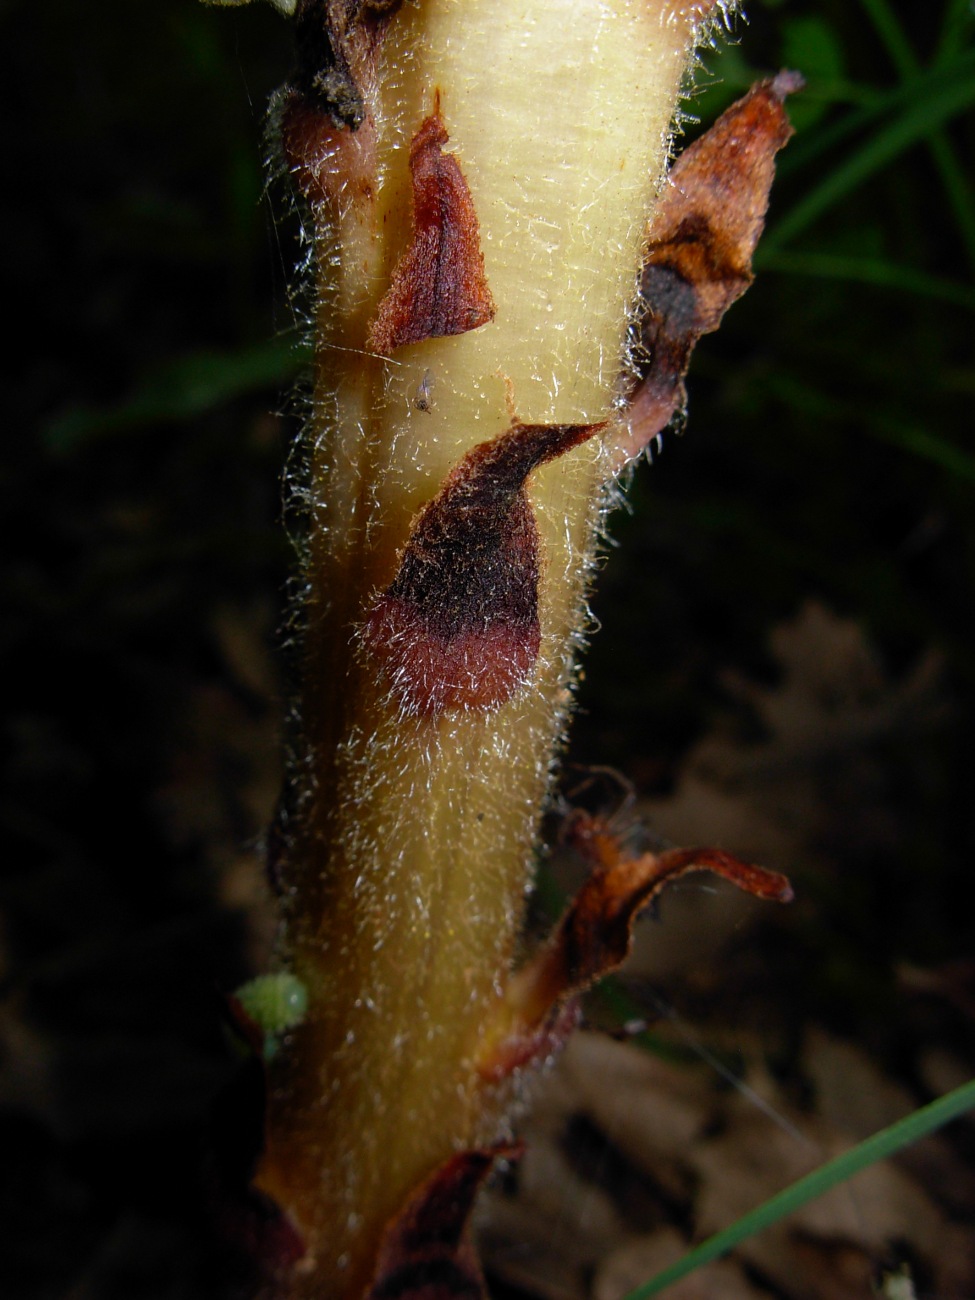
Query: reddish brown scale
<point x="458" y="626"/>
<point x="594" y="936"/>
<point x="439" y="286"/>
<point x="336" y="42"/>
<point x="427" y="1252"/>
<point x="699" y="255"/>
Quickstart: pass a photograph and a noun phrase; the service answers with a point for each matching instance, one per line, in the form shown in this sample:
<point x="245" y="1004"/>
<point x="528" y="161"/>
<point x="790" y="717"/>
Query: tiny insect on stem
<point x="423" y="401"/>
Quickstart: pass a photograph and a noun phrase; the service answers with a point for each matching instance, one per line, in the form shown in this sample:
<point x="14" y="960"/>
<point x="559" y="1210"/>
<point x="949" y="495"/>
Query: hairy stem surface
<point x="408" y="850"/>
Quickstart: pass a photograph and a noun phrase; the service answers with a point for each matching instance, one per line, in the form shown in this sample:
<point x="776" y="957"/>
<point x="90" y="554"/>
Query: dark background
<point x="148" y="352"/>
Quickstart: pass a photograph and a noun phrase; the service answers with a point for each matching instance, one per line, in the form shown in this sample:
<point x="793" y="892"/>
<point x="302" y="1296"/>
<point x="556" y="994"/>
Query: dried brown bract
<point x="594" y="936"/>
<point x="458" y="626"/>
<point x="439" y="286"/>
<point x="699" y="253"/>
<point x="333" y="38"/>
<point x="427" y="1252"/>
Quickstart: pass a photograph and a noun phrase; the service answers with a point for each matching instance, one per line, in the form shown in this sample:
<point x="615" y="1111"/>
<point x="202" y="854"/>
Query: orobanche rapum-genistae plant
<point x="507" y="283"/>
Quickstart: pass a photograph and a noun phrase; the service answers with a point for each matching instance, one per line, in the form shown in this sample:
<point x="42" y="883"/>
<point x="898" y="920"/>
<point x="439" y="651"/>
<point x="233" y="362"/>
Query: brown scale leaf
<point x="699" y="253"/>
<point x="325" y="160"/>
<point x="334" y="39"/>
<point x="426" y="1251"/>
<point x="594" y="936"/>
<point x="439" y="286"/>
<point x="458" y="626"/>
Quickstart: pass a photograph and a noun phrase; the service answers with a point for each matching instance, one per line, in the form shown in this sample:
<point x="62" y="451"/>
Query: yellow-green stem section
<point x="405" y="877"/>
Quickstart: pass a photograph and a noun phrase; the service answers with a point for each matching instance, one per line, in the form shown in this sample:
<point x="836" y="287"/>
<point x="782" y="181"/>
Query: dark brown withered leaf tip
<point x="331" y="38"/>
<point x="457" y="629"/>
<point x="439" y="286"/>
<point x="426" y="1251"/>
<point x="699" y="251"/>
<point x="594" y="935"/>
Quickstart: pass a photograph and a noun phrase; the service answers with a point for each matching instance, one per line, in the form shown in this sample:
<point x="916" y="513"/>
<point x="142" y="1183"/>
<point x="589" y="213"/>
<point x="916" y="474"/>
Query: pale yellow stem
<point x="406" y="875"/>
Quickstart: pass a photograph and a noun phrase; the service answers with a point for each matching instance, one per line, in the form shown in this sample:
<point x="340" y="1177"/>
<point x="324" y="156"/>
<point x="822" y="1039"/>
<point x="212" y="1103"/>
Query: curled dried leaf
<point x="439" y="286"/>
<point x="699" y="252"/>
<point x="594" y="936"/>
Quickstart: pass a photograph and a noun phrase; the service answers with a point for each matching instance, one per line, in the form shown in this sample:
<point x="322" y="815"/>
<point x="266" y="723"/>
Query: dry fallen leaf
<point x="644" y="1257"/>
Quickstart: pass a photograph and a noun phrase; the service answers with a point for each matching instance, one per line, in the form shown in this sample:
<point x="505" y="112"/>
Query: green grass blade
<point x="892" y="36"/>
<point x="868" y="270"/>
<point x="182" y="389"/>
<point x="921" y="114"/>
<point x="953" y="175"/>
<point x="958" y="190"/>
<point x="839" y="1170"/>
<point x="877" y="107"/>
<point x="927" y="446"/>
<point x="958" y="21"/>
<point x="908" y="436"/>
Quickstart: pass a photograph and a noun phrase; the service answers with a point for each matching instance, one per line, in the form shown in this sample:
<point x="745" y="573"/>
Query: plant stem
<point x="410" y="845"/>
